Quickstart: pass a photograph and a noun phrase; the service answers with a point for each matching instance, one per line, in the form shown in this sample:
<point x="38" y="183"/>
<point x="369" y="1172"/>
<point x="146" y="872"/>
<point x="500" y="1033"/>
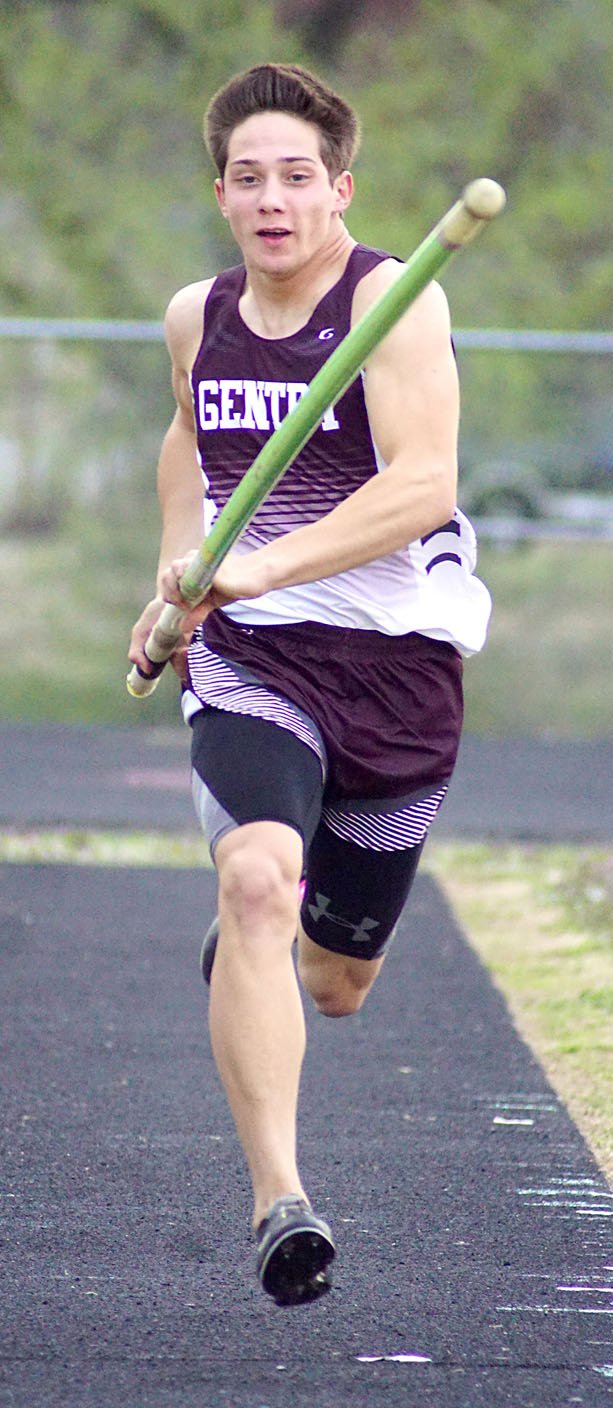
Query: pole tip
<point x="485" y="198"/>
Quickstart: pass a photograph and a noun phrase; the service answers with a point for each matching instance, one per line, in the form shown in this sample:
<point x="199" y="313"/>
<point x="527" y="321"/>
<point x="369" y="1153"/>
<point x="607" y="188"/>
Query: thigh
<point x="354" y="896"/>
<point x="247" y="769"/>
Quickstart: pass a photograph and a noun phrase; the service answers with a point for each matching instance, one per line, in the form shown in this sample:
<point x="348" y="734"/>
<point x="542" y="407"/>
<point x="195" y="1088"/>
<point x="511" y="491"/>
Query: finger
<point x="137" y="656"/>
<point x="170" y="583"/>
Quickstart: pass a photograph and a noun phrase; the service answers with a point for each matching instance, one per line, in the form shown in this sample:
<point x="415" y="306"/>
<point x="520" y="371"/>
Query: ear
<point x="221" y="200"/>
<point x="343" y="186"/>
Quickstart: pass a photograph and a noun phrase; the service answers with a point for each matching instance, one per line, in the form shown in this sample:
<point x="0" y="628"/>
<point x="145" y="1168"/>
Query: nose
<point x="271" y="193"/>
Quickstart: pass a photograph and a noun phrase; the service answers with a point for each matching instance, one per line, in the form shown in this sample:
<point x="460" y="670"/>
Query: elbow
<point x="426" y="495"/>
<point x="439" y="501"/>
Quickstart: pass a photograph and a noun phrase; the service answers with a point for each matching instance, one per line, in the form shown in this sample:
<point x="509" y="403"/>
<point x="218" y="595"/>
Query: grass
<point x="134" y="848"/>
<point x="541" y="920"/>
<point x="80" y="594"/>
<point x="545" y="670"/>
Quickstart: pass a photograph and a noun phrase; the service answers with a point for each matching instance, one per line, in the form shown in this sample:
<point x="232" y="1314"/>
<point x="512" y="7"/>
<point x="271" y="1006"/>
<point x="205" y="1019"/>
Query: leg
<point x="258" y="792"/>
<point x="354" y="897"/>
<point x="337" y="983"/>
<point x="256" y="1018"/>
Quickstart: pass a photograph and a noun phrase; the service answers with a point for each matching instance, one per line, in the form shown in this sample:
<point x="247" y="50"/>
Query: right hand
<point x="140" y="635"/>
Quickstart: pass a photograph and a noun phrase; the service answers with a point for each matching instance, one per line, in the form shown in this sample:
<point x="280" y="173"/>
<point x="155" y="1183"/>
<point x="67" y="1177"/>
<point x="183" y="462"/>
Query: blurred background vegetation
<point x="107" y="208"/>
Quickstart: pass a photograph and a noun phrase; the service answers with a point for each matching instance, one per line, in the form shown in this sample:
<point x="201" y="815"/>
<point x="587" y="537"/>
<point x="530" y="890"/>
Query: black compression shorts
<point x="361" y="855"/>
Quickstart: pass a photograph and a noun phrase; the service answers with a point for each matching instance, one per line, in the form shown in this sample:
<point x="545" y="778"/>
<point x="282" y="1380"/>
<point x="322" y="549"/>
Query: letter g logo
<point x="326" y="334"/>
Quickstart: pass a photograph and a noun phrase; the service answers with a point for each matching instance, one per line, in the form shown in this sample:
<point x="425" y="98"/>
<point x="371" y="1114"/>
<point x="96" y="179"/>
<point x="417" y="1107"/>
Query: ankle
<point x="263" y="1205"/>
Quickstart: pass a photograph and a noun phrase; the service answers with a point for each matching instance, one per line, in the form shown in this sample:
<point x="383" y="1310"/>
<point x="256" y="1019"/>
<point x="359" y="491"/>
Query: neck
<point x="277" y="305"/>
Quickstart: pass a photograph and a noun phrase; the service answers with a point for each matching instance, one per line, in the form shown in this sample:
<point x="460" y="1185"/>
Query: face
<point x="277" y="195"/>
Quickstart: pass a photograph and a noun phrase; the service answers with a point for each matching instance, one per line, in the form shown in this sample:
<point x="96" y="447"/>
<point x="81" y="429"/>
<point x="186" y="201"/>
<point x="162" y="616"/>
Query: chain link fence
<point x="86" y="404"/>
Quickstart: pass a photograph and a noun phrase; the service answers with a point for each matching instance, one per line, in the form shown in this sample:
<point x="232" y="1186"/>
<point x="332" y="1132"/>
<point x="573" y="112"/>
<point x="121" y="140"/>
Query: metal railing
<point x="489" y="339"/>
<point x="60" y="420"/>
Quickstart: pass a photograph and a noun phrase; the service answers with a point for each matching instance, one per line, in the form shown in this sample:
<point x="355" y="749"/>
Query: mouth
<point x="273" y="236"/>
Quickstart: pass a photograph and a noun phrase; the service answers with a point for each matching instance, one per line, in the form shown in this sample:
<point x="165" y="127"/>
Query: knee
<point x="256" y="884"/>
<point x="338" y="1004"/>
<point x="333" y="997"/>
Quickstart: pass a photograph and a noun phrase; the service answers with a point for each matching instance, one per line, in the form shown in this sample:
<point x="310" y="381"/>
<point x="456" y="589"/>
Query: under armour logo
<point x="360" y="932"/>
<point x="326" y="334"/>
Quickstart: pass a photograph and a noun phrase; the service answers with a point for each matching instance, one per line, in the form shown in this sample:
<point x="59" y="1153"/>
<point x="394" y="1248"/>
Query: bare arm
<point x="412" y="401"/>
<point x="179" y="479"/>
<point x="180" y="492"/>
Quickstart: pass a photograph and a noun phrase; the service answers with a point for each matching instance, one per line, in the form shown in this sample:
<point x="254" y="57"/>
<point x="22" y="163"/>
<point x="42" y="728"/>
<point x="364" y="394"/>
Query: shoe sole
<point x="295" y="1269"/>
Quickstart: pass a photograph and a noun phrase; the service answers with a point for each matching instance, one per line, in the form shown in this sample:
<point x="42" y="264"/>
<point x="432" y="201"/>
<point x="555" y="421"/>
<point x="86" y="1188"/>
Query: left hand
<point x="140" y="635"/>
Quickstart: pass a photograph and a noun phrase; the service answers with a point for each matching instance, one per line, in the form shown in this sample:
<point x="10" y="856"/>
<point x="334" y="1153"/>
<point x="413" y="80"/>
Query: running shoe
<point x="209" y="949"/>
<point x="295" y="1249"/>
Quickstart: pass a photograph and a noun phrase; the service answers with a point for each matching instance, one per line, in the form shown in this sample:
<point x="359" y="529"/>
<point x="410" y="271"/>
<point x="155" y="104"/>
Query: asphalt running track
<point x="503" y="789"/>
<point x="475" y="1251"/>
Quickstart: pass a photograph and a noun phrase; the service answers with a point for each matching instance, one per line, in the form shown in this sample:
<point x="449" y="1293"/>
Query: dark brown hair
<point x="283" y="88"/>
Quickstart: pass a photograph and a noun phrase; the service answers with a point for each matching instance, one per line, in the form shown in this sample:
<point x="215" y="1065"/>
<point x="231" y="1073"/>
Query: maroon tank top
<point x="243" y="385"/>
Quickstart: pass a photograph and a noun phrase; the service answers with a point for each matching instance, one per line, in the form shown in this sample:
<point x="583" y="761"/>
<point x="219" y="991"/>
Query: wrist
<point x="267" y="568"/>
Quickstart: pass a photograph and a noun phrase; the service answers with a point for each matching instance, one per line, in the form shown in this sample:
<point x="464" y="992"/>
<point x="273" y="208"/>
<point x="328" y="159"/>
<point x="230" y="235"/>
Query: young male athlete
<point x="323" y="677"/>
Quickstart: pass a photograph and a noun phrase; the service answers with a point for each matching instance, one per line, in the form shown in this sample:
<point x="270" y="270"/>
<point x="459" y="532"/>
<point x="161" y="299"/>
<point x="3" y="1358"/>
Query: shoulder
<point x="184" y="315"/>
<point x="430" y="310"/>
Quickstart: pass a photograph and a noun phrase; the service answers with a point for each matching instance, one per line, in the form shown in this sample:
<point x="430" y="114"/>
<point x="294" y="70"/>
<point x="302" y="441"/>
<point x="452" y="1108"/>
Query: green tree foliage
<point x="327" y="25"/>
<point x="520" y="90"/>
<point x="107" y="205"/>
<point x="106" y="209"/>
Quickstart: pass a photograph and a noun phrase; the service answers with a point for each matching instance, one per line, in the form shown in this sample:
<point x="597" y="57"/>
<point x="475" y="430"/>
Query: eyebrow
<point x="289" y="160"/>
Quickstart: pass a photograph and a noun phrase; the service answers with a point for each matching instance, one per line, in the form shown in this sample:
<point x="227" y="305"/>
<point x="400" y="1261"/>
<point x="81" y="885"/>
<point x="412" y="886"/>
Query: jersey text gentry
<point x="250" y="405"/>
